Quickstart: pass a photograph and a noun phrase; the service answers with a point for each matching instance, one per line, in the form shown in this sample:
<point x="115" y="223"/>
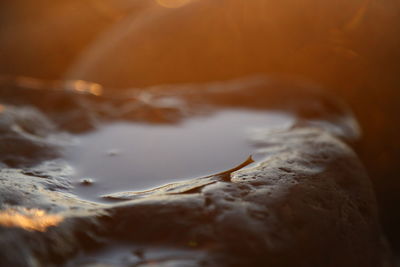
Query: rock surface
<point x="309" y="202"/>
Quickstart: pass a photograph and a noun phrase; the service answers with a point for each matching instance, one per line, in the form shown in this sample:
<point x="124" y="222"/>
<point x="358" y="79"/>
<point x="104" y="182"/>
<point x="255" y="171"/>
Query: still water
<point x="136" y="156"/>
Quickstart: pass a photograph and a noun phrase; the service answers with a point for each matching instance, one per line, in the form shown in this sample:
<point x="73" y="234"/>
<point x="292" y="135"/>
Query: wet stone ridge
<point x="309" y="202"/>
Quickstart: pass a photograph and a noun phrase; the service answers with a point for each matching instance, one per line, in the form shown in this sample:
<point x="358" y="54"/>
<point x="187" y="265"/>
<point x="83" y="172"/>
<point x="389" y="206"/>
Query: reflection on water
<point x="123" y="156"/>
<point x="29" y="219"/>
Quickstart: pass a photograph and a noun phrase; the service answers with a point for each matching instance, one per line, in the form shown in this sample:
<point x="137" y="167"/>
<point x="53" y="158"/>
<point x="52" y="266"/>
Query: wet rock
<point x="24" y="133"/>
<point x="268" y="214"/>
<point x="307" y="202"/>
<point x="350" y="46"/>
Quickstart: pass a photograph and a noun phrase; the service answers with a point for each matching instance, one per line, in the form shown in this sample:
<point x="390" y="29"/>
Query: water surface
<point x="137" y="156"/>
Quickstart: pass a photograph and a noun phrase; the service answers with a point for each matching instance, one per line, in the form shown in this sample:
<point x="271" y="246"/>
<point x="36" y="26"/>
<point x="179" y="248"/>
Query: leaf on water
<point x="184" y="187"/>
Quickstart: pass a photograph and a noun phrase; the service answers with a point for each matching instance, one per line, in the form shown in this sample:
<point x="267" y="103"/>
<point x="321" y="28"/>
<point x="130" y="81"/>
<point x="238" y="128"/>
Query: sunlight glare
<point x="29" y="219"/>
<point x="85" y="87"/>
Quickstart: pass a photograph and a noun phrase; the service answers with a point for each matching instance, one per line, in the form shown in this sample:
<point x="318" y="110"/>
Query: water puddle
<point x="137" y="156"/>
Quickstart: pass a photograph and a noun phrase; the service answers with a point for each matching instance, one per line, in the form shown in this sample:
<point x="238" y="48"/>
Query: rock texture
<point x="309" y="202"/>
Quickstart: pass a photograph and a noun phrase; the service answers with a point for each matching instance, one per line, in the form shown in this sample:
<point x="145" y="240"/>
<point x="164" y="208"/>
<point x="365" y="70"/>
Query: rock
<point x="23" y="136"/>
<point x="307" y="202"/>
<point x="350" y="46"/>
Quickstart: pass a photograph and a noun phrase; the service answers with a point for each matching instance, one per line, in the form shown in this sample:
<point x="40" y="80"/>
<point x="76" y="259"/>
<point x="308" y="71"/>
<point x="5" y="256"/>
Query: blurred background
<point x="350" y="47"/>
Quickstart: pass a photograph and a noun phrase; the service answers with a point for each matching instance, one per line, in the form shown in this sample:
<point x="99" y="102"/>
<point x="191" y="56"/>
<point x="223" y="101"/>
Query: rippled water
<point x="136" y="156"/>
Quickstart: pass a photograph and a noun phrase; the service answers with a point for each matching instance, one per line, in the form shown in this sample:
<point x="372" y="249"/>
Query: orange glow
<point x="172" y="3"/>
<point x="2" y="108"/>
<point x="30" y="82"/>
<point x="29" y="219"/>
<point x="85" y="87"/>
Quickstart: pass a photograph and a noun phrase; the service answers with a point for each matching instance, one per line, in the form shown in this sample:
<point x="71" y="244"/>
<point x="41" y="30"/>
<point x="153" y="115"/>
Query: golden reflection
<point x="85" y="87"/>
<point x="172" y="3"/>
<point x="29" y="219"/>
<point x="2" y="108"/>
